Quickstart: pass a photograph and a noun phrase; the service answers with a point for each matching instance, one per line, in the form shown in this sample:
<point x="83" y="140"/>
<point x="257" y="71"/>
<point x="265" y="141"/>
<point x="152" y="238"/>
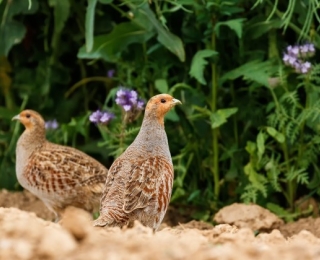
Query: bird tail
<point x="101" y="222"/>
<point x="111" y="217"/>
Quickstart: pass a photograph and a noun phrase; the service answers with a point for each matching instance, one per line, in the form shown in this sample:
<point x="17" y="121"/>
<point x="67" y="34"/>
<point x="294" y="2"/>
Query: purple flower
<point x="101" y="117"/>
<point x="302" y="67"/>
<point x="106" y="117"/>
<point x="311" y="47"/>
<point x="51" y="124"/>
<point x="289" y="59"/>
<point x="304" y="48"/>
<point x="307" y="50"/>
<point x="95" y="116"/>
<point x="305" y="67"/>
<point x="110" y="73"/>
<point x="297" y="66"/>
<point x="296" y="56"/>
<point x="128" y="100"/>
<point x="140" y="104"/>
<point x="293" y="50"/>
<point x="133" y="97"/>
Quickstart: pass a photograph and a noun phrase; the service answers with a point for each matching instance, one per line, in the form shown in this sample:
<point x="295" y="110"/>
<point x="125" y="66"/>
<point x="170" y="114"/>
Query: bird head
<point x="30" y="119"/>
<point x="160" y="105"/>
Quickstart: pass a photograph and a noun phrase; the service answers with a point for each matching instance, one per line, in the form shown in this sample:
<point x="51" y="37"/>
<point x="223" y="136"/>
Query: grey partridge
<point x="139" y="182"/>
<point x="59" y="175"/>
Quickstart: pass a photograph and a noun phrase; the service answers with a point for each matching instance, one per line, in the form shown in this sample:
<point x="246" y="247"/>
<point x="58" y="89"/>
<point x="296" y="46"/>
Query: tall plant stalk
<point x="292" y="185"/>
<point x="215" y="131"/>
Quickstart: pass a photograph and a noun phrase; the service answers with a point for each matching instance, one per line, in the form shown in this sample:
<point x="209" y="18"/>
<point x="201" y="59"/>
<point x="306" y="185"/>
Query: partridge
<point x="60" y="176"/>
<point x="139" y="182"/>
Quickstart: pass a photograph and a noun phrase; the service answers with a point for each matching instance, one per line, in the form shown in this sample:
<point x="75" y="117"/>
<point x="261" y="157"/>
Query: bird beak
<point x="176" y="101"/>
<point x="17" y="117"/>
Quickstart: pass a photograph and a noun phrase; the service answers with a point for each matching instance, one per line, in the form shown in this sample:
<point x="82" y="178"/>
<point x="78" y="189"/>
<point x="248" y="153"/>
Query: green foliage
<point x="248" y="128"/>
<point x="198" y="64"/>
<point x="89" y="27"/>
<point x="169" y="40"/>
<point x="220" y="116"/>
<point x="12" y="31"/>
<point x="235" y="25"/>
<point x="61" y="14"/>
<point x="109" y="47"/>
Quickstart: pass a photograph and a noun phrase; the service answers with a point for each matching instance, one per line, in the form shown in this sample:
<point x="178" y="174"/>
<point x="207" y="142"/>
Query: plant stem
<point x="15" y="130"/>
<point x="83" y="73"/>
<point x="293" y="184"/>
<point x="290" y="188"/>
<point x="235" y="126"/>
<point x="307" y="105"/>
<point x="285" y="151"/>
<point x="5" y="14"/>
<point x="84" y="81"/>
<point x="123" y="13"/>
<point x="215" y="144"/>
<point x="122" y="132"/>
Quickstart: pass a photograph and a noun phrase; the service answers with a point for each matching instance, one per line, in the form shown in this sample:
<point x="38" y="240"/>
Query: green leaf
<point x="161" y="85"/>
<point x="204" y="111"/>
<point x="260" y="144"/>
<point x="230" y="10"/>
<point x="194" y="195"/>
<point x="172" y="116"/>
<point x="18" y="7"/>
<point x="61" y="14"/>
<point x="11" y="31"/>
<point x="257" y="180"/>
<point x="275" y="134"/>
<point x="11" y="34"/>
<point x="251" y="147"/>
<point x="105" y="1"/>
<point x="249" y="194"/>
<point x="180" y="86"/>
<point x="255" y="70"/>
<point x="89" y="26"/>
<point x="235" y="24"/>
<point x="109" y="46"/>
<point x="281" y="212"/>
<point x="220" y="117"/>
<point x="257" y="29"/>
<point x="273" y="171"/>
<point x="172" y="42"/>
<point x="178" y="193"/>
<point x="198" y="64"/>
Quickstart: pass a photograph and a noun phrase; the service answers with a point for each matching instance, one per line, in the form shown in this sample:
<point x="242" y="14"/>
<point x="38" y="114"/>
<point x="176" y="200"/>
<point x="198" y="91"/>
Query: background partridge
<point x="139" y="183"/>
<point x="60" y="176"/>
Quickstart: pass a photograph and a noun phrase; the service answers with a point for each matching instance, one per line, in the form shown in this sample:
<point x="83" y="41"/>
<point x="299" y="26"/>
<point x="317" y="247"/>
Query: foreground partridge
<point x="139" y="183"/>
<point x="60" y="176"/>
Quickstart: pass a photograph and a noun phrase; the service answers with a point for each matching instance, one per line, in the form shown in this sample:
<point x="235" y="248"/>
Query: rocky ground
<point x="246" y="232"/>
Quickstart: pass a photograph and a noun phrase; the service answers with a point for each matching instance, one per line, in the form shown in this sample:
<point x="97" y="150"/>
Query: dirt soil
<point x="27" y="232"/>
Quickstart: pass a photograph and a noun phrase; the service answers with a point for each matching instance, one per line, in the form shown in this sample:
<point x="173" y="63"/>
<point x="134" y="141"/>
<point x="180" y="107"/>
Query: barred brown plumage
<point x="139" y="183"/>
<point x="59" y="175"/>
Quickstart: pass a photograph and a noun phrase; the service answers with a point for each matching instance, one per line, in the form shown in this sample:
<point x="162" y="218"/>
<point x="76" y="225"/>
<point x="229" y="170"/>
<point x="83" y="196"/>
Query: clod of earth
<point x="248" y="216"/>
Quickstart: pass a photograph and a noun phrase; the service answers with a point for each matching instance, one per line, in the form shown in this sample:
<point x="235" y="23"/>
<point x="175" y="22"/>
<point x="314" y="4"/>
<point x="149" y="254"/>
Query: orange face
<point x="160" y="105"/>
<point x="29" y="118"/>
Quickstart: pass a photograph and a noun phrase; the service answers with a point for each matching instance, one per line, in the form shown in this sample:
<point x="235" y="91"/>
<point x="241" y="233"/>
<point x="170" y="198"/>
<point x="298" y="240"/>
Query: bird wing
<point x="64" y="168"/>
<point x="149" y="180"/>
<point x="115" y="170"/>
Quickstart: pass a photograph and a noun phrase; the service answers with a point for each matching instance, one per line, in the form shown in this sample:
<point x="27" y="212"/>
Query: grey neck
<point x="152" y="139"/>
<point x="31" y="140"/>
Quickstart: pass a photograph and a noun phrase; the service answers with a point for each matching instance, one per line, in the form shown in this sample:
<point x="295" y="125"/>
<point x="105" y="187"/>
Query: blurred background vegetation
<point x="248" y="129"/>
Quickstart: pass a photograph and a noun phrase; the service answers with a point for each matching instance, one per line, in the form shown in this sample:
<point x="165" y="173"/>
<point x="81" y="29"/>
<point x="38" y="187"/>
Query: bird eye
<point x="28" y="115"/>
<point x="163" y="100"/>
